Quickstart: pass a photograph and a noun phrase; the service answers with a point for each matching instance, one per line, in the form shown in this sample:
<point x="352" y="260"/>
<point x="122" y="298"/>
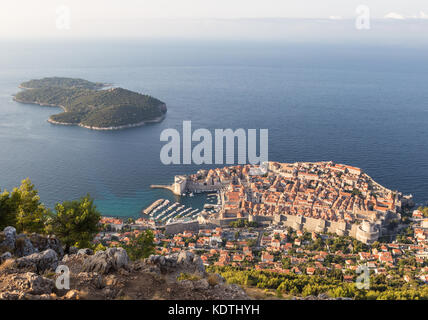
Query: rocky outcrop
<point x="73" y="250"/>
<point x="42" y="243"/>
<point x="86" y="251"/>
<point x="197" y="283"/>
<point x="177" y="263"/>
<point x="21" y="245"/>
<point x="26" y="286"/>
<point x="109" y="275"/>
<point x="29" y="262"/>
<point x="7" y="239"/>
<point x="39" y="262"/>
<point x="5" y="256"/>
<point x="106" y="261"/>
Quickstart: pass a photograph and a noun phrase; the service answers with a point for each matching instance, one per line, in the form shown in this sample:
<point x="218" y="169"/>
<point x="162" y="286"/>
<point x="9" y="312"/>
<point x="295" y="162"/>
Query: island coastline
<point x="162" y="108"/>
<point x="128" y="126"/>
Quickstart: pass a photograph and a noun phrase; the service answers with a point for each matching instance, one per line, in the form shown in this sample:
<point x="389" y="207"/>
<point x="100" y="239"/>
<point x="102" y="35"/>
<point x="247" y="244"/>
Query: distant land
<point x="86" y="105"/>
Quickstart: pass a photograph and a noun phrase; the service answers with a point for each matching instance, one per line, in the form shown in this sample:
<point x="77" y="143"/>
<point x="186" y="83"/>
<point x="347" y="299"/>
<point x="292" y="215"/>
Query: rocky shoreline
<point x="40" y="104"/>
<point x="133" y="125"/>
<point x="128" y="126"/>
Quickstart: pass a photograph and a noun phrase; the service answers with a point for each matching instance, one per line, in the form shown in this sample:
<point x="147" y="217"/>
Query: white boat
<point x="183" y="213"/>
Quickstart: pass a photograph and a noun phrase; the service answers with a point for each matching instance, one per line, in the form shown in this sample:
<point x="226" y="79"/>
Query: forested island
<point x="63" y="83"/>
<point x="85" y="104"/>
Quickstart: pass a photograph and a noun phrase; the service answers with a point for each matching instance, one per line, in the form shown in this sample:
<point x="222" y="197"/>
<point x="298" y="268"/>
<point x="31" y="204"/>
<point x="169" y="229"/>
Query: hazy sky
<point x="193" y="18"/>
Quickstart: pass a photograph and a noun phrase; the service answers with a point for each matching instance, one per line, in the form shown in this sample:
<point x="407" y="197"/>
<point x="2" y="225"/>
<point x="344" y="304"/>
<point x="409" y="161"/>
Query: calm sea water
<point x="366" y="107"/>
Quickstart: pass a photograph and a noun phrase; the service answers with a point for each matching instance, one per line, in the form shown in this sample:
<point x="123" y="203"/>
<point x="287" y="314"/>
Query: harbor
<point x="164" y="211"/>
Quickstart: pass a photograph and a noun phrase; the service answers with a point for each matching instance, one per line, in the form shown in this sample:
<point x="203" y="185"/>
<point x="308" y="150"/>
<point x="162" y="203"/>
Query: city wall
<point x="366" y="234"/>
<point x="178" y="227"/>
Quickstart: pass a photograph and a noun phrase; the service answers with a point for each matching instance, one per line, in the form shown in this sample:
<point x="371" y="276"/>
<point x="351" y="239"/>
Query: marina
<point x="160" y="212"/>
<point x="163" y="212"/>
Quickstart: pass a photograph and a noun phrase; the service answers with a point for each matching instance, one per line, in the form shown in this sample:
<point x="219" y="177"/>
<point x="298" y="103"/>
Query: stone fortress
<point x="315" y="196"/>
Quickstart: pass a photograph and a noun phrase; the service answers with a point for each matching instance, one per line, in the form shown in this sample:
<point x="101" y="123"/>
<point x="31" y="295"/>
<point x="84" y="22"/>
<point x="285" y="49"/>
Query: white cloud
<point x="394" y="15"/>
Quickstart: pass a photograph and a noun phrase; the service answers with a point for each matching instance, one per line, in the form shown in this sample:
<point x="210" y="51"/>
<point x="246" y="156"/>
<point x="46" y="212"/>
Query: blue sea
<point x="365" y="106"/>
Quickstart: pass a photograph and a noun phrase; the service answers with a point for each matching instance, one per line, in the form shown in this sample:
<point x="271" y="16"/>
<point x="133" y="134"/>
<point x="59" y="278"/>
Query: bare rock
<point x="23" y="246"/>
<point x="7" y="239"/>
<point x="86" y="279"/>
<point x="42" y="243"/>
<point x="39" y="262"/>
<point x="174" y="264"/>
<point x="235" y="292"/>
<point x="73" y="250"/>
<point x="11" y="295"/>
<point x="86" y="251"/>
<point x="201" y="284"/>
<point x="29" y="283"/>
<point x="187" y="284"/>
<point x="191" y="262"/>
<point x="104" y="262"/>
<point x="72" y="295"/>
<point x="216" y="279"/>
<point x="111" y="280"/>
<point x="5" y="256"/>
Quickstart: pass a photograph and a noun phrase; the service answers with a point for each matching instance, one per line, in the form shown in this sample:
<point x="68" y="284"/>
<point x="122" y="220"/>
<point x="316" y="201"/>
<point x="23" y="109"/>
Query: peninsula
<point x="319" y="197"/>
<point x="85" y="104"/>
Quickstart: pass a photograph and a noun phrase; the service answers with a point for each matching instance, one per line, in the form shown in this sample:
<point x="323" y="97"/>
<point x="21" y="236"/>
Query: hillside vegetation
<point x="85" y="106"/>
